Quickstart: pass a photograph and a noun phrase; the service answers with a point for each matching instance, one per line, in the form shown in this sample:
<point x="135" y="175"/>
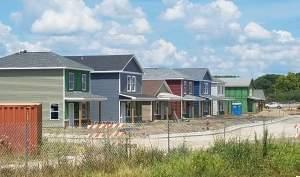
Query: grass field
<point x="234" y="158"/>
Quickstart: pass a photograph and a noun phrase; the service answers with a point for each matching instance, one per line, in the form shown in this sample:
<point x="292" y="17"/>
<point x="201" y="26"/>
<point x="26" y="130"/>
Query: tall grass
<point x="233" y="158"/>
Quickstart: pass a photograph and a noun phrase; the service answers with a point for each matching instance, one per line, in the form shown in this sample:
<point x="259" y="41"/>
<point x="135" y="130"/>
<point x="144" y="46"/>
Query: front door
<point x="123" y="112"/>
<point x="71" y="114"/>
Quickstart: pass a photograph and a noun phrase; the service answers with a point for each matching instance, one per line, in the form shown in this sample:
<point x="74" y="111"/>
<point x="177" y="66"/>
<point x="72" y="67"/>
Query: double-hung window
<point x="129" y="83"/>
<point x="54" y="112"/>
<point x="205" y="88"/>
<point x="83" y="82"/>
<point x="184" y="87"/>
<point x="133" y="83"/>
<point x="190" y="88"/>
<point x="71" y="81"/>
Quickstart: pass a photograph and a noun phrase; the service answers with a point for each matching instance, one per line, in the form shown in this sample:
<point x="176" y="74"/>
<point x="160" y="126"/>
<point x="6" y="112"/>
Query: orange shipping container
<point x="20" y="126"/>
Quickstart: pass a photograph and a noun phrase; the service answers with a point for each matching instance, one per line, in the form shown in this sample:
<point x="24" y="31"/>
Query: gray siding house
<point x="119" y="78"/>
<point x="58" y="83"/>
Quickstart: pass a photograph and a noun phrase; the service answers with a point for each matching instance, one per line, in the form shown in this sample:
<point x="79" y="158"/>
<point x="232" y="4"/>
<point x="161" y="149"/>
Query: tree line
<point x="283" y="88"/>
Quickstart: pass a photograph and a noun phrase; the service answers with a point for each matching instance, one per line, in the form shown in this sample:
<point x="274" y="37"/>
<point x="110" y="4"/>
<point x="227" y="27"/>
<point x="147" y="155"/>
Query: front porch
<point x="78" y="108"/>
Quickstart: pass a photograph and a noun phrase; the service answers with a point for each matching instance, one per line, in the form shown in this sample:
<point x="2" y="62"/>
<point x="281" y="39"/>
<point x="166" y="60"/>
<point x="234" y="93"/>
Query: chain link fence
<point x="113" y="143"/>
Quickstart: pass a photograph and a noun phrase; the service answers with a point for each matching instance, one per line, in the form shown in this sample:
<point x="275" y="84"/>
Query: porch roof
<point x="137" y="97"/>
<point x="213" y="97"/>
<point x="83" y="96"/>
<point x="192" y="98"/>
<point x="168" y="97"/>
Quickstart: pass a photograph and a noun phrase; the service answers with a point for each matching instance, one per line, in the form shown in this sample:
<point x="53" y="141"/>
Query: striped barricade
<point x="105" y="130"/>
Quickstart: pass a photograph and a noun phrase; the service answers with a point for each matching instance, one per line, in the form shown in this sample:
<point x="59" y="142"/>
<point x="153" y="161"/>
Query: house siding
<point x="123" y="77"/>
<point x="133" y="67"/>
<point x="197" y="110"/>
<point x="240" y="94"/>
<point x="38" y="86"/>
<point x="175" y="86"/>
<point x="106" y="84"/>
<point x="78" y="81"/>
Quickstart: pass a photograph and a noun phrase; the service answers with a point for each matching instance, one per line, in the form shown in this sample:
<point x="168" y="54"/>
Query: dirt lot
<point x="190" y="125"/>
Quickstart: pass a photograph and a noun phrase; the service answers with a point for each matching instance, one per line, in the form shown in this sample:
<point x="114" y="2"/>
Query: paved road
<point x="280" y="128"/>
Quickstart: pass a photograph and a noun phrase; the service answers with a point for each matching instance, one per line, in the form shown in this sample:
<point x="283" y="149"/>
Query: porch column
<point x="132" y="111"/>
<point x="80" y="114"/>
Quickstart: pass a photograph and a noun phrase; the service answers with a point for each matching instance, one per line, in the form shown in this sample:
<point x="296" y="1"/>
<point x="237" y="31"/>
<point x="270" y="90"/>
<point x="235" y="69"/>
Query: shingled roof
<point x="194" y="73"/>
<point x="237" y="82"/>
<point x="36" y="60"/>
<point x="163" y="74"/>
<point x="151" y="87"/>
<point x="104" y="62"/>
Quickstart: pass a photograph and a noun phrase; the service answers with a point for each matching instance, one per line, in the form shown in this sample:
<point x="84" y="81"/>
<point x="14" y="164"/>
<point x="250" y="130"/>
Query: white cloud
<point x="67" y="16"/>
<point x="227" y="9"/>
<point x="118" y="9"/>
<point x="213" y="19"/>
<point x="10" y="43"/>
<point x="141" y="25"/>
<point x="175" y="12"/>
<point x="284" y="36"/>
<point x="164" y="53"/>
<point x="255" y="31"/>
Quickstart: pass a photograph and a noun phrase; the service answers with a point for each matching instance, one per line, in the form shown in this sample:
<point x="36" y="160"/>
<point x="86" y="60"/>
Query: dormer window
<point x="83" y="82"/>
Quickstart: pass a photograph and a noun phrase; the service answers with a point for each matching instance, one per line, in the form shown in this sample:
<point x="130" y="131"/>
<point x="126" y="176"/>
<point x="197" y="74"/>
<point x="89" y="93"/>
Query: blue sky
<point x="247" y="38"/>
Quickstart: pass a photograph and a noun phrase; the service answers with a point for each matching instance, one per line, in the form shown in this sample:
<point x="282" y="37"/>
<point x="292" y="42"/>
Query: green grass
<point x="235" y="158"/>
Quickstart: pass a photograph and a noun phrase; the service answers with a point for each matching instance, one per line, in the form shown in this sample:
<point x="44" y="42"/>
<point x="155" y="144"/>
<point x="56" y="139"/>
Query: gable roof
<point x="196" y="74"/>
<point x="106" y="63"/>
<point x="237" y="82"/>
<point x="259" y="93"/>
<point x="151" y="87"/>
<point x="163" y="74"/>
<point x="39" y="60"/>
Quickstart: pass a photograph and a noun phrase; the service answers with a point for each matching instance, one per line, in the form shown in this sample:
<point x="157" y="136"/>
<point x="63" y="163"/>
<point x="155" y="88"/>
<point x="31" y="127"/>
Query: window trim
<point x="73" y="80"/>
<point x="128" y="83"/>
<point x="205" y="88"/>
<point x="190" y="88"/>
<point x="84" y="76"/>
<point x="133" y="83"/>
<point x="54" y="111"/>
<point x="184" y="87"/>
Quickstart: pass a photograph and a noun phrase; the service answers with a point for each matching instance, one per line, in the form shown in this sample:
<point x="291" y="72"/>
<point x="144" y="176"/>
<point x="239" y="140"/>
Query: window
<point x="83" y="82"/>
<point x="71" y="81"/>
<point x="191" y="88"/>
<point x="157" y="110"/>
<point x="54" y="112"/>
<point x="223" y="90"/>
<point x="133" y="83"/>
<point x="219" y="89"/>
<point x="184" y="86"/>
<point x="205" y="88"/>
<point x="128" y="83"/>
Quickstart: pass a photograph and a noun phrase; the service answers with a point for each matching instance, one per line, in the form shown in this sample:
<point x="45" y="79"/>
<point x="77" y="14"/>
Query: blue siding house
<point x="119" y="78"/>
<point x="202" y="88"/>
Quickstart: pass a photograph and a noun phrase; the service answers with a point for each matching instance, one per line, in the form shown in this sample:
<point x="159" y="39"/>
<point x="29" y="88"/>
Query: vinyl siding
<point x="123" y="77"/>
<point x="133" y="67"/>
<point x="175" y="86"/>
<point x="78" y="80"/>
<point x="106" y="84"/>
<point x="196" y="103"/>
<point x="39" y="86"/>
